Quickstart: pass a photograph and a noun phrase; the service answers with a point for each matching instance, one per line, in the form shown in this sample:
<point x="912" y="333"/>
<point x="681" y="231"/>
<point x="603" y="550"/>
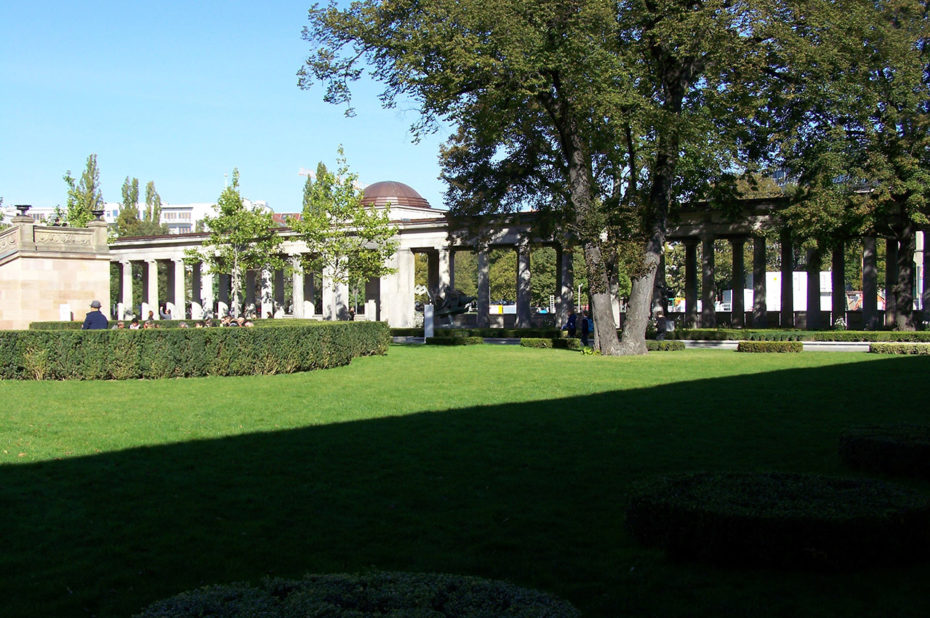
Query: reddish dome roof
<point x="393" y="193"/>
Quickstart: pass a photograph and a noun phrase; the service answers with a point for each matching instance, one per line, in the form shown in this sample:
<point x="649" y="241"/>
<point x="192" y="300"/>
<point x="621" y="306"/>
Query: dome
<point x="393" y="193"/>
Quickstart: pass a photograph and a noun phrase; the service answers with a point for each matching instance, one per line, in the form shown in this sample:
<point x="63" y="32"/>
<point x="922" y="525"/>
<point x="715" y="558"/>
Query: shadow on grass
<point x="533" y="493"/>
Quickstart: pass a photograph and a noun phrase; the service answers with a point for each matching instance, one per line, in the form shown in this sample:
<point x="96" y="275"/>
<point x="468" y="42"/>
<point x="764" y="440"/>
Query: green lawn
<point x="496" y="461"/>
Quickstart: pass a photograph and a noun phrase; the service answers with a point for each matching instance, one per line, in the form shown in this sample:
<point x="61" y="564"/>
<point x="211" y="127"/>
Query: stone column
<point x="278" y="290"/>
<point x="737" y="305"/>
<point x="813" y="289"/>
<point x="446" y="269"/>
<point x="891" y="277"/>
<point x="708" y="314"/>
<point x="266" y="308"/>
<point x="151" y="287"/>
<point x="759" y="302"/>
<point x="484" y="288"/>
<point x="787" y="280"/>
<point x="397" y="291"/>
<point x="869" y="284"/>
<point x="328" y="293"/>
<point x="126" y="285"/>
<point x="691" y="283"/>
<point x="524" y="284"/>
<point x="925" y="297"/>
<point x="838" y="283"/>
<point x="565" y="284"/>
<point x="180" y="293"/>
<point x="297" y="283"/>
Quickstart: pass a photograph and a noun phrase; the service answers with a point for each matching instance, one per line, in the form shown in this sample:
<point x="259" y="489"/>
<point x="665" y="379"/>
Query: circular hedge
<point x="889" y="449"/>
<point x="786" y="520"/>
<point x="374" y="594"/>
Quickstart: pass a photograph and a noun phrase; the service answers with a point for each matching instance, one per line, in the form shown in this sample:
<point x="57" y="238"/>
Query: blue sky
<point x="181" y="93"/>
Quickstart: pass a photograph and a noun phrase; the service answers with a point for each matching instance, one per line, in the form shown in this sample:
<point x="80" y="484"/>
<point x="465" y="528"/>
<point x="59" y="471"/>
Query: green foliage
<point x="664" y="346"/>
<point x="770" y="346"/>
<point x="723" y="334"/>
<point x="84" y="196"/>
<point x="346" y="240"/>
<point x="370" y="594"/>
<point x="241" y="238"/>
<point x="535" y="342"/>
<point x="186" y="352"/>
<point x="128" y="222"/>
<point x="917" y="349"/>
<point x="782" y="520"/>
<point x="454" y="340"/>
<point x="902" y="450"/>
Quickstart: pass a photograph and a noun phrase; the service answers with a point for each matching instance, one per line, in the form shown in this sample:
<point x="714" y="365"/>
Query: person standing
<point x="95" y="320"/>
<point x="570" y="323"/>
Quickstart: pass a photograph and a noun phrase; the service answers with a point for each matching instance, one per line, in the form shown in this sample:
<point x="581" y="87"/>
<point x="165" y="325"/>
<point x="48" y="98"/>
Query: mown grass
<point x="498" y="461"/>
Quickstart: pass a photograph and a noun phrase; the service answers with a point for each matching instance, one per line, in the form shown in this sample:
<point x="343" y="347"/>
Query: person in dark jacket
<point x="95" y="320"/>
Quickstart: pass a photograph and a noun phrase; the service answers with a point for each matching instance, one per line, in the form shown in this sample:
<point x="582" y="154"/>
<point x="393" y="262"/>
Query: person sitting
<point x="134" y="324"/>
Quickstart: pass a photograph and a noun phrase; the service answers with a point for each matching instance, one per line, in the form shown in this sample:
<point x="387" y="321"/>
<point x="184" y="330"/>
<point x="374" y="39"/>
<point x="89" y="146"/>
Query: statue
<point x="453" y="302"/>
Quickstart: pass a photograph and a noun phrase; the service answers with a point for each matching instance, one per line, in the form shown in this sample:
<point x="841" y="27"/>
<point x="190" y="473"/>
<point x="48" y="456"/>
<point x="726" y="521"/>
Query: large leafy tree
<point x="84" y="195"/>
<point x="604" y="113"/>
<point x="345" y="239"/>
<point x="241" y="238"/>
<point x="860" y="147"/>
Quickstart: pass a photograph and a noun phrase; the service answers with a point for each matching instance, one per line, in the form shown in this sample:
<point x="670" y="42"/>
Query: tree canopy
<point x="128" y="222"/>
<point x="84" y="195"/>
<point x="241" y="238"/>
<point x="606" y="113"/>
<point x="345" y="240"/>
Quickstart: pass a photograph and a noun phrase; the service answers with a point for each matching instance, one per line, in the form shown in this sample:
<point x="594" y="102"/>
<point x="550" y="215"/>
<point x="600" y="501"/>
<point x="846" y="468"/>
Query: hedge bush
<point x="714" y="334"/>
<point x="498" y="333"/>
<point x="454" y="340"/>
<point x="407" y="332"/>
<point x="784" y="520"/>
<point x="918" y="349"/>
<point x="185" y="352"/>
<point x="888" y="449"/>
<point x="770" y="346"/>
<point x="665" y="346"/>
<point x="374" y="594"/>
<point x="563" y="343"/>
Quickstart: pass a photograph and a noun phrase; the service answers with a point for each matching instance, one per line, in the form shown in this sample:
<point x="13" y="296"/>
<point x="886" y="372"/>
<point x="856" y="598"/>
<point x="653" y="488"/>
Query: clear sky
<point x="180" y="93"/>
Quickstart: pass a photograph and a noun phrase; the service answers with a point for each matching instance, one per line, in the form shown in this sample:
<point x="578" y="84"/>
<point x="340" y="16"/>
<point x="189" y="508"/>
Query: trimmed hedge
<point x="567" y="343"/>
<point x="373" y="594"/>
<point x="714" y="334"/>
<point x="918" y="349"/>
<point x="453" y="340"/>
<point x="888" y="449"/>
<point x="664" y="346"/>
<point x="498" y="333"/>
<point x="770" y="346"/>
<point x="407" y="332"/>
<point x="784" y="520"/>
<point x="185" y="352"/>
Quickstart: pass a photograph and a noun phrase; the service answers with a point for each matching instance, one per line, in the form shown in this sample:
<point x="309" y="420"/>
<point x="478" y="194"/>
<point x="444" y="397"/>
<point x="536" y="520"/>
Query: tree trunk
<point x="903" y="289"/>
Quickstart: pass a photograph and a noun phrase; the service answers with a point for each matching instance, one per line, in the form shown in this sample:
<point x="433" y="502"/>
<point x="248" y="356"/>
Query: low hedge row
<point x="186" y="352"/>
<point x="888" y="449"/>
<point x="784" y="520"/>
<point x="918" y="349"/>
<point x="770" y="346"/>
<point x="373" y="594"/>
<point x="715" y="334"/>
<point x="564" y="343"/>
<point x="454" y="340"/>
<point x="664" y="346"/>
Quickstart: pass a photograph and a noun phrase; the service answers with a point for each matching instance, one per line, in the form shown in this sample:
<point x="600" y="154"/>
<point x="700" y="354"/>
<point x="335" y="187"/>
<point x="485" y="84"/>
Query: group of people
<point x="95" y="320"/>
<point x="571" y="325"/>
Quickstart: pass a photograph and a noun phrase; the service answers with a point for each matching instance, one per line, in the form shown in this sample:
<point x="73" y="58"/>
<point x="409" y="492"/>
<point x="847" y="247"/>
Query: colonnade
<point x="263" y="291"/>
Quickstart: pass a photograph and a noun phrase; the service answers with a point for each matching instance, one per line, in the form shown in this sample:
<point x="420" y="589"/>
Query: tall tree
<point x="346" y="240"/>
<point x="604" y="113"/>
<point x="860" y="147"/>
<point x="128" y="217"/>
<point x="84" y="196"/>
<point x="152" y="203"/>
<point x="241" y="238"/>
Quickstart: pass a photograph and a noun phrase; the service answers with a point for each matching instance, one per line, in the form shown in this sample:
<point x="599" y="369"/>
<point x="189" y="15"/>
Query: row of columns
<point x="441" y="277"/>
<point x="814" y="265"/>
<point x="264" y="289"/>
